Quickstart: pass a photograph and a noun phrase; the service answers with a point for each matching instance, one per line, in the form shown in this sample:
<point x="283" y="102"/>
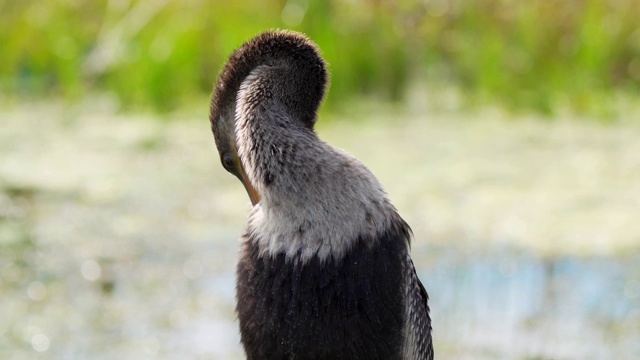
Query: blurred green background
<point x="505" y="132"/>
<point x="528" y="55"/>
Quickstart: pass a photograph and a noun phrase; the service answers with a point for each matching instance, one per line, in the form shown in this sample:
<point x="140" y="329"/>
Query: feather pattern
<point x="418" y="342"/>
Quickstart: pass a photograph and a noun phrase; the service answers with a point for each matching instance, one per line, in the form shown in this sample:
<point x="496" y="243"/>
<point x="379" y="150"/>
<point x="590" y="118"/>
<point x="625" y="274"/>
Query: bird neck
<point x="268" y="137"/>
<point x="317" y="201"/>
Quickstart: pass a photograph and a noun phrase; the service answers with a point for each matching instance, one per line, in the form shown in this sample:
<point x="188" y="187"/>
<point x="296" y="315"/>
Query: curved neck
<point x="298" y="70"/>
<point x="272" y="143"/>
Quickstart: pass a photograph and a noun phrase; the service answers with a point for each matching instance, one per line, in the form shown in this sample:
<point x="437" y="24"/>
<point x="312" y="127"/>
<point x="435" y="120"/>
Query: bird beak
<point x="253" y="193"/>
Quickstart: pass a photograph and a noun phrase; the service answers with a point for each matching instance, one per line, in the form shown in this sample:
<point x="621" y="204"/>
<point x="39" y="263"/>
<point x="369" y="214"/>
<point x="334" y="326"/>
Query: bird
<point x="324" y="269"/>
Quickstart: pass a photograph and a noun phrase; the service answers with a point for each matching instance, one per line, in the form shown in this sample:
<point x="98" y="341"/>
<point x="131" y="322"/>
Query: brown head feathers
<point x="305" y="75"/>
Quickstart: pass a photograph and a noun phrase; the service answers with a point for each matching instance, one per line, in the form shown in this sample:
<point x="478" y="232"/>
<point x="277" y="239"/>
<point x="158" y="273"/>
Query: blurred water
<point x="508" y="304"/>
<point x="177" y="301"/>
<point x="118" y="235"/>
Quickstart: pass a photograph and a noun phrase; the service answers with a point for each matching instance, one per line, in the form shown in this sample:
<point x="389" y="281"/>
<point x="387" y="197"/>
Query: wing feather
<point x="418" y="341"/>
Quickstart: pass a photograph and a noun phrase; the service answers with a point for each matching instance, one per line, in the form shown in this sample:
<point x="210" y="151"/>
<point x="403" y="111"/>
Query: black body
<point x="352" y="308"/>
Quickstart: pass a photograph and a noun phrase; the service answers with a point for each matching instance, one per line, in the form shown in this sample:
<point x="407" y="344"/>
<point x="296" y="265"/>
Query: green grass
<point x="535" y="55"/>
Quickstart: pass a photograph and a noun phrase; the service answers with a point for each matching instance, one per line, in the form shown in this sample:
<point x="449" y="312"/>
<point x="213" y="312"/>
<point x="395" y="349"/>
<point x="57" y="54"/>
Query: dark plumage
<point x="348" y="309"/>
<point x="324" y="271"/>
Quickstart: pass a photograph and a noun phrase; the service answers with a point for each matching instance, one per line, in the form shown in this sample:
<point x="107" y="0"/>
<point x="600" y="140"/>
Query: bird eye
<point x="227" y="162"/>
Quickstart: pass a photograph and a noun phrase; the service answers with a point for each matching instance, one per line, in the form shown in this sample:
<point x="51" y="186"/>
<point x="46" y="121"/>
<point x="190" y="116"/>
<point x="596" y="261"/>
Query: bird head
<point x="287" y="69"/>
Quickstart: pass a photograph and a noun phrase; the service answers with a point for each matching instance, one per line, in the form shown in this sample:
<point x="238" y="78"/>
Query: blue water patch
<point x="557" y="307"/>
